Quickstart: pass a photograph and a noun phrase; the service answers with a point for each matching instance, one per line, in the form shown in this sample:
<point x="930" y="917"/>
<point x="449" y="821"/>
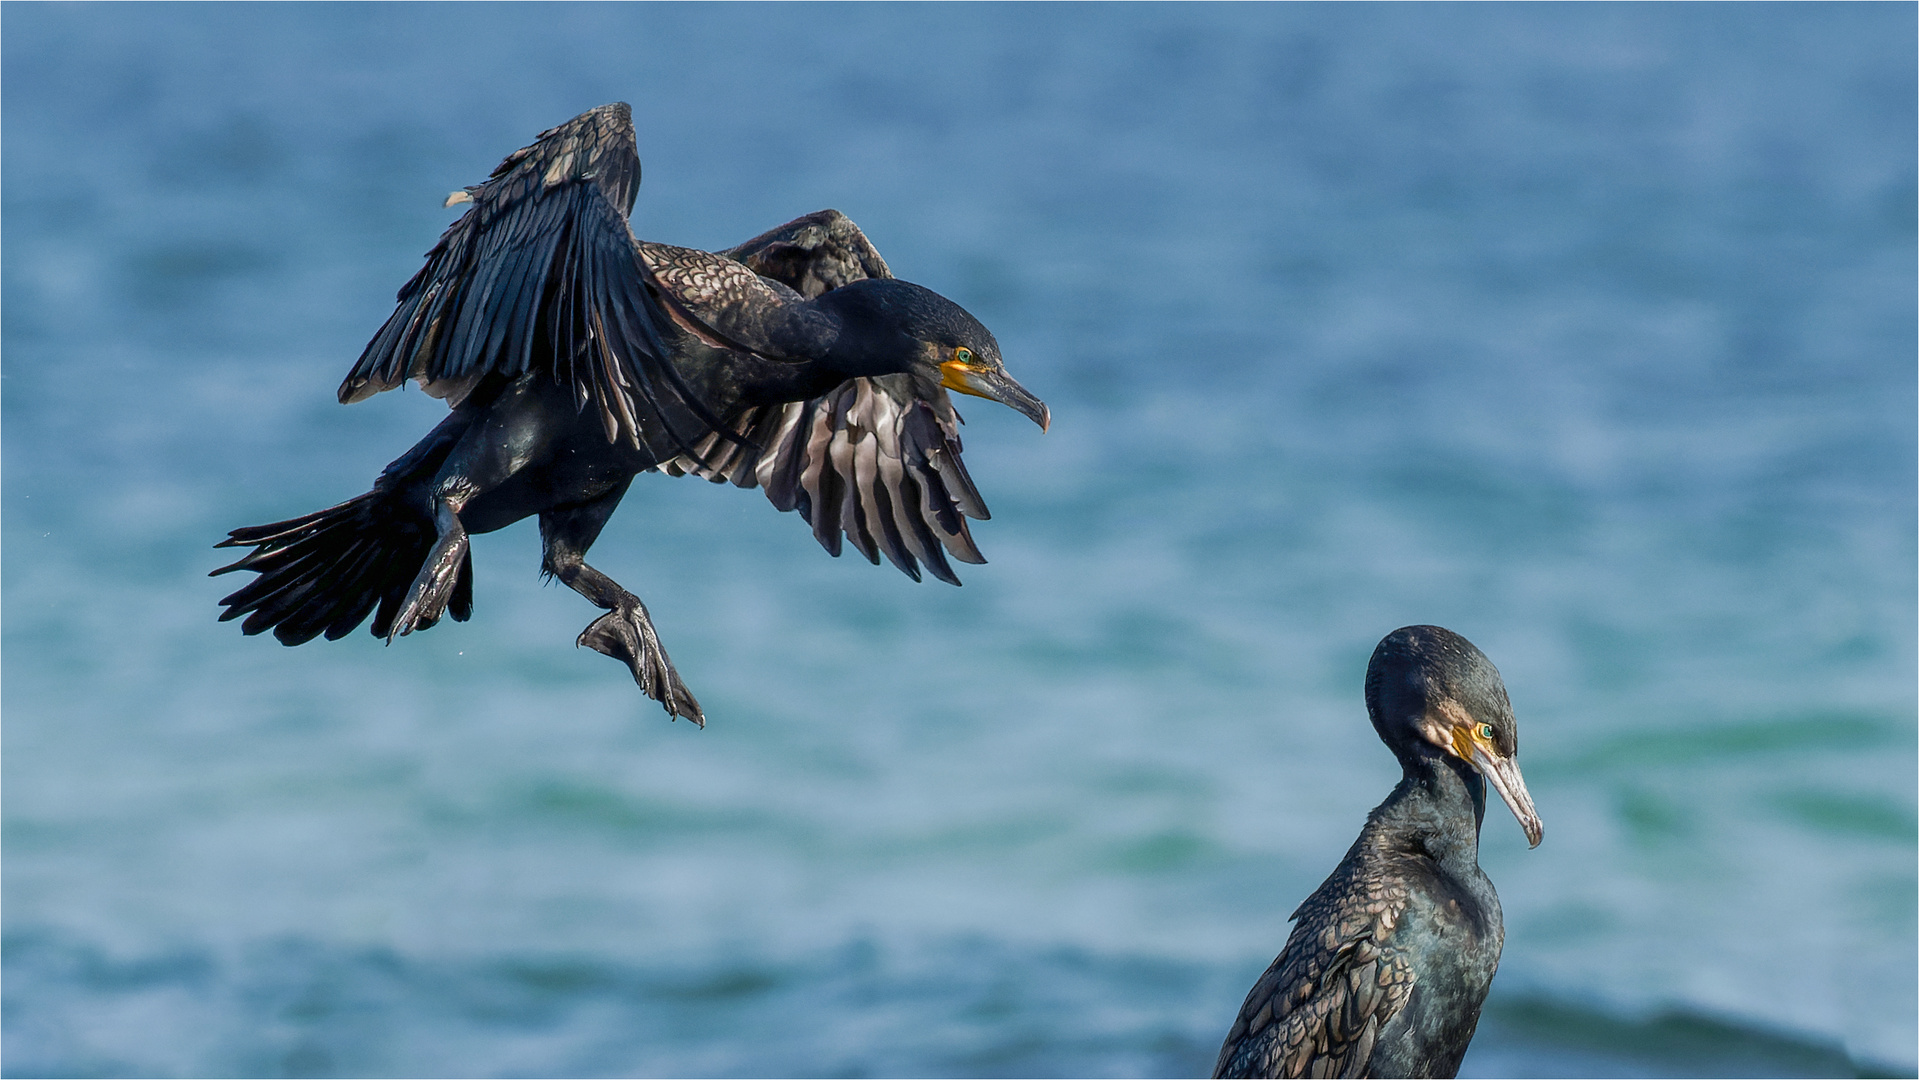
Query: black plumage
<point x="1390" y="959"/>
<point x="575" y="356"/>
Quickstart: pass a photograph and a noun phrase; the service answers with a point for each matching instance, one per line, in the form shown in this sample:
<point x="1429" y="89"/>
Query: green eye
<point x="963" y="355"/>
<point x="1486" y="732"/>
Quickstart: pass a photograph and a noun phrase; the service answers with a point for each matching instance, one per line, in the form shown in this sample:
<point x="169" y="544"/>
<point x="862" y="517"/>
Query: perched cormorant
<point x="1389" y="960"/>
<point x="575" y="356"/>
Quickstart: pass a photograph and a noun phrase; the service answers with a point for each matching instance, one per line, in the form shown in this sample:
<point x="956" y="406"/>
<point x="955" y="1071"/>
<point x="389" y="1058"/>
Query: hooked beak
<point x="1503" y="774"/>
<point x="995" y="386"/>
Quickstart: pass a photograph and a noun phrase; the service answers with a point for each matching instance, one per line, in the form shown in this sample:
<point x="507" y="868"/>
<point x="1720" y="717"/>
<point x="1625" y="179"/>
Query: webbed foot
<point x="626" y="633"/>
<point x="426" y="601"/>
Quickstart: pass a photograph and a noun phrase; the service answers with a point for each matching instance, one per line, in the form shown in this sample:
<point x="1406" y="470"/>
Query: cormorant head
<point x="1430" y="691"/>
<point x="889" y="326"/>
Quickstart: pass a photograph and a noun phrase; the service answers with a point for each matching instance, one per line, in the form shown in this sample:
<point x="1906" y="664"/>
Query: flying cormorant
<point x="575" y="356"/>
<point x="1390" y="959"/>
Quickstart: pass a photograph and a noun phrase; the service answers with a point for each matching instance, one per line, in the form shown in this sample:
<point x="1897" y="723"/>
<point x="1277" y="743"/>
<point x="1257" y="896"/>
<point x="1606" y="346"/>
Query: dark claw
<point x="628" y="636"/>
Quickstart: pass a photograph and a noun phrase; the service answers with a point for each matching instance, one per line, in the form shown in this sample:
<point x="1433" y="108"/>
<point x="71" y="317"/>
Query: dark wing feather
<point x="813" y="254"/>
<point x="1320" y="1007"/>
<point x="542" y="275"/>
<point x="868" y="462"/>
<point x="871" y="462"/>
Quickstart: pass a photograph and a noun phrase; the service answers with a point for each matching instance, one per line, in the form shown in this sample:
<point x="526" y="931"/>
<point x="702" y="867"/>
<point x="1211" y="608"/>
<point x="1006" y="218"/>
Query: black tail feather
<point x="324" y="572"/>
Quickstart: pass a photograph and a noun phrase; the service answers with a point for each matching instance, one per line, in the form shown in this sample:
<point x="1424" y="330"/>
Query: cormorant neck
<point x="1440" y="803"/>
<point x="868" y="342"/>
<point x="779" y="381"/>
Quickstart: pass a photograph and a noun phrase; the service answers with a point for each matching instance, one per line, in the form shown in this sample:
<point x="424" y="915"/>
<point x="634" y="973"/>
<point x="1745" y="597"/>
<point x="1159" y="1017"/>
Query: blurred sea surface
<point x="1587" y="331"/>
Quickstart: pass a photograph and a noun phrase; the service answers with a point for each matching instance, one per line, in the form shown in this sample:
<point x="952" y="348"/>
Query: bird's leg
<point x="626" y="631"/>
<point x="509" y="434"/>
<point x="427" y="600"/>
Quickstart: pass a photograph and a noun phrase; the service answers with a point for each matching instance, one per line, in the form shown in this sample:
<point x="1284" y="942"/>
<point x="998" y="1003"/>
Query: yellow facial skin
<point x="965" y="372"/>
<point x="1470" y="739"/>
<point x="954" y="372"/>
<point x="1454" y="730"/>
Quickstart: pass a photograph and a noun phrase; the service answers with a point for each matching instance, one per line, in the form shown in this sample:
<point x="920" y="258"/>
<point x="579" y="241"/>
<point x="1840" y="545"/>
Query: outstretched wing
<point x="1321" y="1006"/>
<point x="874" y="461"/>
<point x="542" y="275"/>
<point x="813" y="254"/>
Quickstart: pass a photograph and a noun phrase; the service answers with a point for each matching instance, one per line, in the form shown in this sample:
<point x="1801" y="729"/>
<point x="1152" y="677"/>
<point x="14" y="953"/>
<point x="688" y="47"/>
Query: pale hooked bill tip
<point x="457" y="198"/>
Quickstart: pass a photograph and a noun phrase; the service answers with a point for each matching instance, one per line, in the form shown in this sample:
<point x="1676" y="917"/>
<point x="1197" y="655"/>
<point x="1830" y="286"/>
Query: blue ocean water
<point x="1587" y="331"/>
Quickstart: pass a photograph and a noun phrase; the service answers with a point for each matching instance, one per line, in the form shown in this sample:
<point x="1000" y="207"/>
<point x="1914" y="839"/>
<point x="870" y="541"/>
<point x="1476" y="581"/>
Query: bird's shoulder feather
<point x="728" y="306"/>
<point x="1319" y="1009"/>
